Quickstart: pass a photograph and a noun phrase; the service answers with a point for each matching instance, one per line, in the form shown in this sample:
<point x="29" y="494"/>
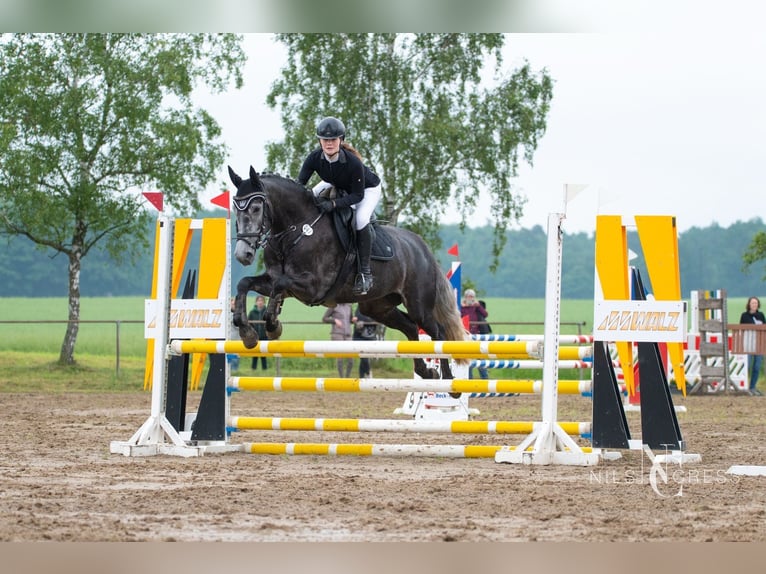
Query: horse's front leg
<point x="259" y="284"/>
<point x="271" y="317"/>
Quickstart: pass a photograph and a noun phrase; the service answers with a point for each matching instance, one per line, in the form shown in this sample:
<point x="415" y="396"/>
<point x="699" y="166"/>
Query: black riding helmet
<point x="331" y="128"/>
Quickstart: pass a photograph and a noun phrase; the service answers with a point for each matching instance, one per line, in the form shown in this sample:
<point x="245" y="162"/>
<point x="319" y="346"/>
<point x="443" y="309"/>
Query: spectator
<point x="365" y="329"/>
<point x="255" y="316"/>
<point x="753" y="316"/>
<point x="340" y="318"/>
<point x="475" y="314"/>
<point x="484" y="327"/>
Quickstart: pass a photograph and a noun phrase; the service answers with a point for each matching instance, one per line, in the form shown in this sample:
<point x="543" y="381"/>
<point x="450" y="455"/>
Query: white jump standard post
<point x="548" y="441"/>
<point x="157" y="435"/>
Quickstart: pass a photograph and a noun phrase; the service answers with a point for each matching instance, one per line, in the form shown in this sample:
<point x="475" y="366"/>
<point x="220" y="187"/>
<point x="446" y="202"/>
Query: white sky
<point x="661" y="118"/>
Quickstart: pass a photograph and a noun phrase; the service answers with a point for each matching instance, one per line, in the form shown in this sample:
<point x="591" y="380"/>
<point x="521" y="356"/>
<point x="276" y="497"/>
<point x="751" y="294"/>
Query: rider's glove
<point x="326" y="205"/>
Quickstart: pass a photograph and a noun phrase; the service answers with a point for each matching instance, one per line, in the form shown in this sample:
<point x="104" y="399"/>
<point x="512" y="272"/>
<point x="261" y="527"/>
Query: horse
<point x="305" y="259"/>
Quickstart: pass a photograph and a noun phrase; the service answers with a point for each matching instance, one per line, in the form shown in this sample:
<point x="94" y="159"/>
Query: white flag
<point x="571" y="190"/>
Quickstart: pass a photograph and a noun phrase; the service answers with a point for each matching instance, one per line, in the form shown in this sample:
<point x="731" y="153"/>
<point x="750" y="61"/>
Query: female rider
<point x="341" y="166"/>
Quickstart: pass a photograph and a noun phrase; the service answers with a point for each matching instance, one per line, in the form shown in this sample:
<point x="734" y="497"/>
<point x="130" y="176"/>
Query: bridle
<point x="263" y="237"/>
<point x="262" y="234"/>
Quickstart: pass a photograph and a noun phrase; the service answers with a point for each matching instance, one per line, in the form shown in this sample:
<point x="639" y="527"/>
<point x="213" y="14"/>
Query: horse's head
<point x="250" y="208"/>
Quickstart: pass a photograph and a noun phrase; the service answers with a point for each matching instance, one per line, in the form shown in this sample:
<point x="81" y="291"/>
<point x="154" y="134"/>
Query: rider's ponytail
<point x="350" y="148"/>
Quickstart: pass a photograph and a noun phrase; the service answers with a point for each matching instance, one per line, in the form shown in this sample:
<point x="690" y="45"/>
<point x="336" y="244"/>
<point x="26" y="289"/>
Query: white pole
<point x="548" y="443"/>
<point x="552" y="319"/>
<point x="157" y="435"/>
<point x="160" y="364"/>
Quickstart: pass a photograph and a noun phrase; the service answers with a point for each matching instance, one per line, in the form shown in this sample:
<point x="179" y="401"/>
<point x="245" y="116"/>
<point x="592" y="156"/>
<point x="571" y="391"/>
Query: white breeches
<point x="364" y="209"/>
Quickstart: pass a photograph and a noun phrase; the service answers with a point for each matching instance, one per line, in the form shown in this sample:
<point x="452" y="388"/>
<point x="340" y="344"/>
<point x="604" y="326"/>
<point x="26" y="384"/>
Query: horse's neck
<point x="291" y="207"/>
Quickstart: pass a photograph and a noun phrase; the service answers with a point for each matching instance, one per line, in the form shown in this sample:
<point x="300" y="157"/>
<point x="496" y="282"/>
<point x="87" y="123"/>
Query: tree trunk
<point x="66" y="357"/>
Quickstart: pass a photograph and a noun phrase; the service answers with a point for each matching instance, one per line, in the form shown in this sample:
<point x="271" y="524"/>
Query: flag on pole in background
<point x="571" y="190"/>
<point x="222" y="201"/>
<point x="453" y="250"/>
<point x="155" y="198"/>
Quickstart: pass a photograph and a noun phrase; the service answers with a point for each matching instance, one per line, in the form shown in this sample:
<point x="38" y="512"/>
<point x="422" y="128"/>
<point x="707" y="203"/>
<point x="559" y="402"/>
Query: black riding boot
<point x="363" y="281"/>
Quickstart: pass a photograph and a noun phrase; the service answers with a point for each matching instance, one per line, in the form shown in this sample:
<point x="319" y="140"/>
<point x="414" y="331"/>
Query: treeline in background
<point x="710" y="258"/>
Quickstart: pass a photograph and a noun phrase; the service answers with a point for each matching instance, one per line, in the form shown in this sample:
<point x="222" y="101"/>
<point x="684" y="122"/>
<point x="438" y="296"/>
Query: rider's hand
<point x="326" y="205"/>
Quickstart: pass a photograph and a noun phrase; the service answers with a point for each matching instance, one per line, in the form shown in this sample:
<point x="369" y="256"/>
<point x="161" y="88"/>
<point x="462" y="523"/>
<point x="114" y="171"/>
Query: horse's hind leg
<point x="434" y="330"/>
<point x="387" y="313"/>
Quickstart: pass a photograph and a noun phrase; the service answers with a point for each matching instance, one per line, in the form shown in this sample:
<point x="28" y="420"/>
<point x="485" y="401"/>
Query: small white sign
<point x="640" y="321"/>
<point x="189" y="319"/>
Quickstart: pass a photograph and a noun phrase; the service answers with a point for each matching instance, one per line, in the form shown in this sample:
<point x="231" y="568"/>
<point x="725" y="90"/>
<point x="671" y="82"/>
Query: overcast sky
<point x="664" y="118"/>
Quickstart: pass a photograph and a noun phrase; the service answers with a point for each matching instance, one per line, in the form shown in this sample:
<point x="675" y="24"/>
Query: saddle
<point x="343" y="221"/>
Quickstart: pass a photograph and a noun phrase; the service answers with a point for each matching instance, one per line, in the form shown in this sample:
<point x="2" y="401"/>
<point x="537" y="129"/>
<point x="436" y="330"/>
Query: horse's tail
<point x="446" y="312"/>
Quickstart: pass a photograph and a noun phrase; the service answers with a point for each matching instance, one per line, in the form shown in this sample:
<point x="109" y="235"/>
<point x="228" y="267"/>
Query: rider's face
<point x="330" y="146"/>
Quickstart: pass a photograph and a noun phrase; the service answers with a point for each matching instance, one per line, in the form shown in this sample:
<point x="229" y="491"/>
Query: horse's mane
<point x="283" y="180"/>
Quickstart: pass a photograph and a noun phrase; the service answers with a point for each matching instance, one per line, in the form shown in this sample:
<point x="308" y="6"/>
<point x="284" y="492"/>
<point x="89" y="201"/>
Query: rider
<point x="341" y="166"/>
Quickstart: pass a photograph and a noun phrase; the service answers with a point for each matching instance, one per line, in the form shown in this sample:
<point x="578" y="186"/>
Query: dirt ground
<point x="59" y="482"/>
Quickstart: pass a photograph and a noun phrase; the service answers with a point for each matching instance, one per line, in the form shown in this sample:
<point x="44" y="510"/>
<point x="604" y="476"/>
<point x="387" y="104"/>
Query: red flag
<point x="453" y="250"/>
<point x="222" y="200"/>
<point x="155" y="198"/>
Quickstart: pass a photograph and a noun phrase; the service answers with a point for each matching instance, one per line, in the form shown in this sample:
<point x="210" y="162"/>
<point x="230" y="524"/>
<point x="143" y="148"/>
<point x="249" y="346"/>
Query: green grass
<point x="23" y="372"/>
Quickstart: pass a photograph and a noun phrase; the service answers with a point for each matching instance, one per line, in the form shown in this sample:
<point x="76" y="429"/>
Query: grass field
<point x="29" y="350"/>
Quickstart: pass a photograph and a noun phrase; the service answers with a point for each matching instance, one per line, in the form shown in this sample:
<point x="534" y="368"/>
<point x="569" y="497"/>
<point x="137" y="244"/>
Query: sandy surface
<point x="58" y="480"/>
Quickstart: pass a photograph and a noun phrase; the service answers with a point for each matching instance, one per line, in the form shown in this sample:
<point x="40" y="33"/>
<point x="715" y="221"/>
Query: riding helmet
<point x="331" y="128"/>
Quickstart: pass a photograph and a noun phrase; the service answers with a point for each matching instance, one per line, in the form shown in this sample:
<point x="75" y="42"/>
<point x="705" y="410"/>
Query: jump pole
<point x="341" y="385"/>
<point x="387" y="450"/>
<point x="549" y="443"/>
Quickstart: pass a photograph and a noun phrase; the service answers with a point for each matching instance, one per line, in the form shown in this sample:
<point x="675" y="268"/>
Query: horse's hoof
<point x="249" y="338"/>
<point x="455" y="395"/>
<point x="276" y="333"/>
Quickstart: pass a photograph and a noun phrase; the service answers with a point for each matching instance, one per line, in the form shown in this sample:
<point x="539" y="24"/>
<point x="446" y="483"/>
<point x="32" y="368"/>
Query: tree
<point x="88" y="121"/>
<point x="416" y="107"/>
<point x="755" y="252"/>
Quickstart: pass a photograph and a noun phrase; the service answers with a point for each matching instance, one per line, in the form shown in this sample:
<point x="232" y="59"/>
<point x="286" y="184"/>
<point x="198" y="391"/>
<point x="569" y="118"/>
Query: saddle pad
<point x="382" y="246"/>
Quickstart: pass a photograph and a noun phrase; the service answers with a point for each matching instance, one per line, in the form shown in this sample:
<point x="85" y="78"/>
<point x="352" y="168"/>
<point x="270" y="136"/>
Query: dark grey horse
<point x="304" y="259"/>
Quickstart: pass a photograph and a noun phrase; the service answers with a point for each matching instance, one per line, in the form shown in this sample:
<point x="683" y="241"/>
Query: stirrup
<point x="363" y="283"/>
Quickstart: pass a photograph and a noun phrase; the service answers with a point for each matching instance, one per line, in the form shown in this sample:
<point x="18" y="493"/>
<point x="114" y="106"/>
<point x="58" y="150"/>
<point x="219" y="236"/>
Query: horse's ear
<point x="255" y="181"/>
<point x="235" y="179"/>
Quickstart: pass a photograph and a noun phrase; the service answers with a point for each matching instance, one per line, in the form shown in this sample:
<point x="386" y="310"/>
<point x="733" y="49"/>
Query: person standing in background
<point x="753" y="316"/>
<point x="255" y="316"/>
<point x="365" y="329"/>
<point x="476" y="315"/>
<point x="340" y="319"/>
<point x="484" y="327"/>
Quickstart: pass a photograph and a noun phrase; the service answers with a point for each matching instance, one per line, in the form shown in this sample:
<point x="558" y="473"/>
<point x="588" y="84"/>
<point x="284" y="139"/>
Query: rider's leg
<point x="362" y="213"/>
<point x="363" y="281"/>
